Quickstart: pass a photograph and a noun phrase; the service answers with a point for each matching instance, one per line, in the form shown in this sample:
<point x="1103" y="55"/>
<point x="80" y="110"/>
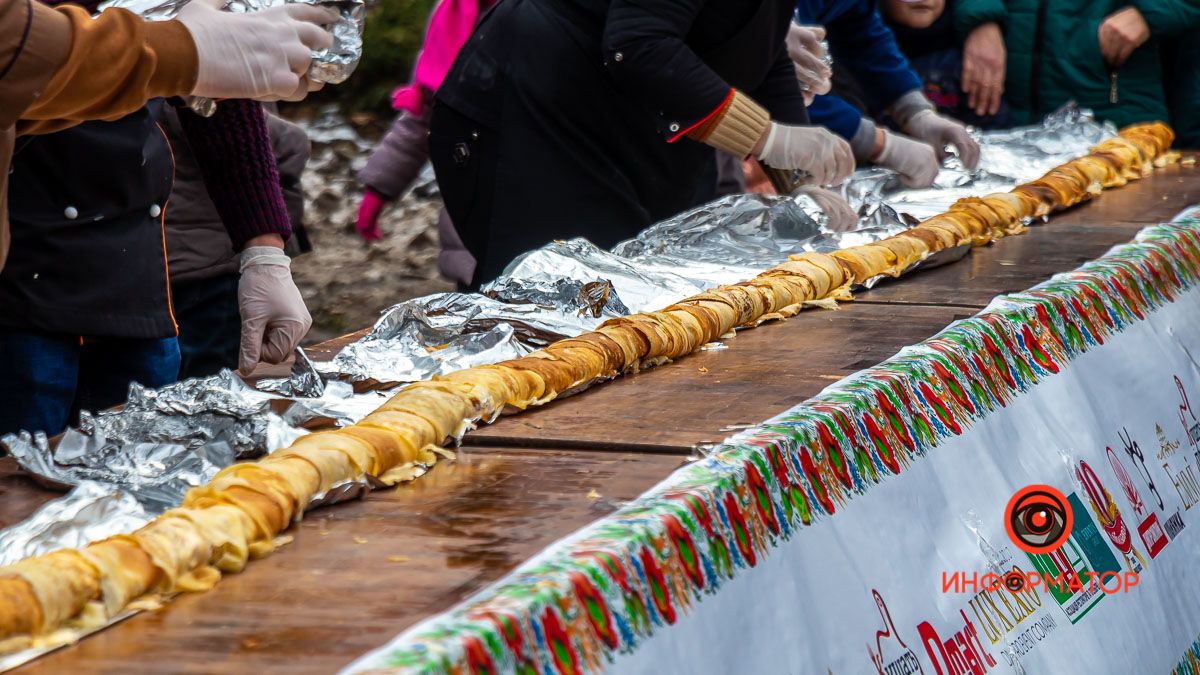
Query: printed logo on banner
<point x="1167" y="449"/>
<point x="1038" y="519"/>
<point x="1187" y="418"/>
<point x="1149" y="529"/>
<point x="1082" y="557"/>
<point x="1109" y="517"/>
<point x="891" y="655"/>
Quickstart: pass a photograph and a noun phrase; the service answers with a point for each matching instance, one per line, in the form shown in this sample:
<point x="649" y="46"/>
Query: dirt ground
<point x="345" y="281"/>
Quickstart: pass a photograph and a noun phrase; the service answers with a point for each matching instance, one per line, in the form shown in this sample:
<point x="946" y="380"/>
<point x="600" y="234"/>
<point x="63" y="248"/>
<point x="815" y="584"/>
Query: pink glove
<point x="367" y="225"/>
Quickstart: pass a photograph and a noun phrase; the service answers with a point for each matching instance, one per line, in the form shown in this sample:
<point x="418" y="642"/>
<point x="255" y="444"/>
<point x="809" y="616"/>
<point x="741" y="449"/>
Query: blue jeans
<point x="210" y="325"/>
<point x="47" y="378"/>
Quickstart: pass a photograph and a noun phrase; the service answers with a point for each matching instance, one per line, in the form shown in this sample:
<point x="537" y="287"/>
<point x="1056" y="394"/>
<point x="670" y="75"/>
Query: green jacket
<point x="1054" y="55"/>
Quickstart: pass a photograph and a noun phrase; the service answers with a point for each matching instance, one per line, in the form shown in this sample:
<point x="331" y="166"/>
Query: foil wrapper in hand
<point x="332" y="66"/>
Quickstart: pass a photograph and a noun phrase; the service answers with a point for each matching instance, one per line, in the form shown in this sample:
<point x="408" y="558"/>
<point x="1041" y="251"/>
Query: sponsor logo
<point x="1149" y="530"/>
<point x="891" y="656"/>
<point x="1038" y="519"/>
<point x="1109" y="516"/>
<point x="1082" y="557"/>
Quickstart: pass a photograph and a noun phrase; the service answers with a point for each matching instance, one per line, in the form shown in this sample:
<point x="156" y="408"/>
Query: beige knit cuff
<point x="737" y="128"/>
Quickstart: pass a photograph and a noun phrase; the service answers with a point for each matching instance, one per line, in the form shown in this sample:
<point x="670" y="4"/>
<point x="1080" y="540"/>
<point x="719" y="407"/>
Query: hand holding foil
<point x="261" y="55"/>
<point x="806" y="48"/>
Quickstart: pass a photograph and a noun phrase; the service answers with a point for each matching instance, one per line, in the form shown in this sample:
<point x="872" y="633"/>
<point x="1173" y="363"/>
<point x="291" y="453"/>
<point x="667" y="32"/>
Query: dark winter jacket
<point x="860" y="43"/>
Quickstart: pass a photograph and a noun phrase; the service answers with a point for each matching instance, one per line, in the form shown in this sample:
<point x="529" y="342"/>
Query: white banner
<point x="862" y="592"/>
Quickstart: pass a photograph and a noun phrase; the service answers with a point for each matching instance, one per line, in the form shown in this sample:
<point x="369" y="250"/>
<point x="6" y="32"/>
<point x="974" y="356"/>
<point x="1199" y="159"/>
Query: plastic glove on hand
<point x="915" y="161"/>
<point x="939" y="132"/>
<point x="274" y="317"/>
<point x="826" y="157"/>
<point x="842" y="217"/>
<point x="261" y="55"/>
<point x="808" y="58"/>
<point x="367" y="223"/>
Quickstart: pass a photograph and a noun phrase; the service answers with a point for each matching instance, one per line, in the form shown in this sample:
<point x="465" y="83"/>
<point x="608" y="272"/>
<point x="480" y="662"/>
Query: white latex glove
<point x="916" y="162"/>
<point x="939" y="132"/>
<point x="808" y="58"/>
<point x="826" y="157"/>
<point x="842" y="218"/>
<point x="261" y="55"/>
<point x="274" y="318"/>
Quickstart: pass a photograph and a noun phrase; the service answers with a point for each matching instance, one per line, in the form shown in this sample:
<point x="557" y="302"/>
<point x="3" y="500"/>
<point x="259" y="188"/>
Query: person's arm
<point x="780" y="92"/>
<point x="233" y="150"/>
<point x="861" y="43"/>
<point x="644" y="50"/>
<point x="970" y="14"/>
<point x="1169" y="17"/>
<point x="33" y="43"/>
<point x="101" y="77"/>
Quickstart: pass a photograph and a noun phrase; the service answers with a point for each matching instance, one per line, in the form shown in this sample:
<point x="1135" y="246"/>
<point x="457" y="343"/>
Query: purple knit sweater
<point x="234" y="152"/>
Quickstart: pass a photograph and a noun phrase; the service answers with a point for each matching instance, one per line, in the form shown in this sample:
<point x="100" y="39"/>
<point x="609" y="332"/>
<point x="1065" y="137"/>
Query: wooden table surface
<point x="339" y="590"/>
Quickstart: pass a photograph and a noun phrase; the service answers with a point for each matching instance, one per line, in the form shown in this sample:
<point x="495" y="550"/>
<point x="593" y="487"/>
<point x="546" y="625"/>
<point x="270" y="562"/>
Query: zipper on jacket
<point x="1035" y="67"/>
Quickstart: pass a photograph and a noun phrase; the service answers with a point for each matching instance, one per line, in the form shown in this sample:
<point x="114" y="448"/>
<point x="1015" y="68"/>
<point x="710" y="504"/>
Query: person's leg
<point x="108" y="365"/>
<point x="210" y="325"/>
<point x="38" y="372"/>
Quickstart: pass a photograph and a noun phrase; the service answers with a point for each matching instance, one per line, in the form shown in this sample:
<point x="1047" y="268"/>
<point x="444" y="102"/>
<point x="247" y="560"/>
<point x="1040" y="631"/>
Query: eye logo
<point x="1038" y="519"/>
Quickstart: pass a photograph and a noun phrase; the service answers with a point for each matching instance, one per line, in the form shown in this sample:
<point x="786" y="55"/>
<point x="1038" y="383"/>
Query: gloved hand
<point x="939" y="132"/>
<point x="915" y="161"/>
<point x="274" y="318"/>
<point x="367" y="224"/>
<point x="842" y="218"/>
<point x="261" y="55"/>
<point x="808" y="58"/>
<point x="825" y="156"/>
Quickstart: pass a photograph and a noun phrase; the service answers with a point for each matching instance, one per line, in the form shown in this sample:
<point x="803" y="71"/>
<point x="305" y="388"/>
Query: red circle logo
<point x="1038" y="519"/>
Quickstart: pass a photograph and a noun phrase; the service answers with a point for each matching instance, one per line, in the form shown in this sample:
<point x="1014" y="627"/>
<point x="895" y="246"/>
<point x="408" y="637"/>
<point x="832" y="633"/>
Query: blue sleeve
<point x="835" y="114"/>
<point x="861" y="43"/>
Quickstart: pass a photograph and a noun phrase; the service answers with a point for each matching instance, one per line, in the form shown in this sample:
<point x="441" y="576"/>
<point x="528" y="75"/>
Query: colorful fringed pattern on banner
<point x="1190" y="663"/>
<point x="617" y="581"/>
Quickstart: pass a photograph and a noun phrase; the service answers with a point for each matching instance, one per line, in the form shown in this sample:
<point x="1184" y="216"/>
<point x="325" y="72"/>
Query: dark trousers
<point x="47" y="378"/>
<point x="210" y="325"/>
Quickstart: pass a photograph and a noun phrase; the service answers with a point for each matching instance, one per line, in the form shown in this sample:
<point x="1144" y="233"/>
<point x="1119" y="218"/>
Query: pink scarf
<point x="450" y="27"/>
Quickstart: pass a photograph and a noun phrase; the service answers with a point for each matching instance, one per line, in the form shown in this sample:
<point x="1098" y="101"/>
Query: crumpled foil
<point x="162" y="441"/>
<point x="444" y="332"/>
<point x="333" y="65"/>
<point x="89" y="512"/>
<point x="738" y="236"/>
<point x="639" y="288"/>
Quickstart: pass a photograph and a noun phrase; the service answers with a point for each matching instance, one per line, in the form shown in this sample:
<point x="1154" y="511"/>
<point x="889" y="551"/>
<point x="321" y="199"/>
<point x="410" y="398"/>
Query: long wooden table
<point x="358" y="573"/>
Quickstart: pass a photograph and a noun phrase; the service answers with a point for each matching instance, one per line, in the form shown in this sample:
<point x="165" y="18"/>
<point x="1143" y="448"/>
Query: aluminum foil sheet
<point x="639" y="288"/>
<point x="738" y="236"/>
<point x="440" y="333"/>
<point x="333" y="65"/>
<point x="89" y="512"/>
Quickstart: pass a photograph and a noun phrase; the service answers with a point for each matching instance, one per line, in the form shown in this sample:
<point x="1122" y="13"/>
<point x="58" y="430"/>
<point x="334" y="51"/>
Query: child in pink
<point x="394" y="165"/>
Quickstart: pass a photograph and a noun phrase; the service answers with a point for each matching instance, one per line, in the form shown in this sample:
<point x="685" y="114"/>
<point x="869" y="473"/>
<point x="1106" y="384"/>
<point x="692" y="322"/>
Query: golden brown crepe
<point x="62" y="582"/>
<point x="125" y="571"/>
